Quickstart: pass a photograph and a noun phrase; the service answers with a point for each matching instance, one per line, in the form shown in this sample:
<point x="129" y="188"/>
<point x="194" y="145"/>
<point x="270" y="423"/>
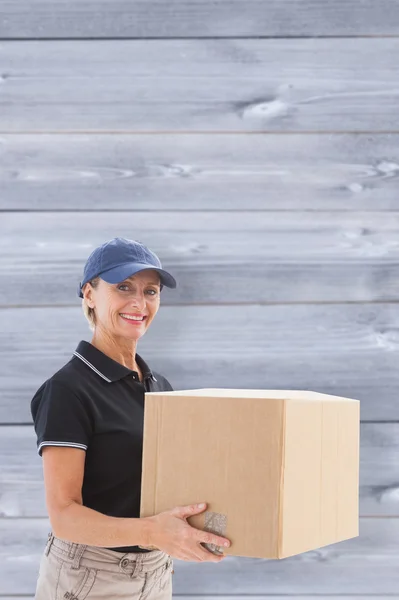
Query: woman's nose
<point x="138" y="300"/>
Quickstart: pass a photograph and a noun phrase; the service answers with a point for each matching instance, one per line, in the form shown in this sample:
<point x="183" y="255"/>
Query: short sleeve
<point x="169" y="387"/>
<point x="164" y="384"/>
<point x="59" y="417"/>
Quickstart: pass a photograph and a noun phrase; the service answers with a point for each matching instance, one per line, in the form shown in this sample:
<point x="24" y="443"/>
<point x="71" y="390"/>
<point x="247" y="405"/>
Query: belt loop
<point x="137" y="564"/>
<point x="72" y="549"/>
<point x="78" y="555"/>
<point x="50" y="539"/>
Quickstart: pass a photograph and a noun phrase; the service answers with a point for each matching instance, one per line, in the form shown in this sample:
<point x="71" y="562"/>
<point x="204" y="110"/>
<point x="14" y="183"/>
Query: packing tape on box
<point x="215" y="523"/>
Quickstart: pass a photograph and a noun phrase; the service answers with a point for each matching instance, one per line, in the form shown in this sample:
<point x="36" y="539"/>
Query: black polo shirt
<point x="96" y="404"/>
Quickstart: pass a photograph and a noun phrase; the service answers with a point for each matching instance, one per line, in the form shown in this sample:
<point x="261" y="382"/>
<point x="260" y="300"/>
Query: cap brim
<point x="118" y="274"/>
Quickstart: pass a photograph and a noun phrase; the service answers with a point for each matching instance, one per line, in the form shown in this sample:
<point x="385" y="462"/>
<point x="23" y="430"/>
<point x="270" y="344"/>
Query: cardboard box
<point x="279" y="469"/>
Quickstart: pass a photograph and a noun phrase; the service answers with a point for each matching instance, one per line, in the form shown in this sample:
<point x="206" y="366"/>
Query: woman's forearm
<point x="82" y="525"/>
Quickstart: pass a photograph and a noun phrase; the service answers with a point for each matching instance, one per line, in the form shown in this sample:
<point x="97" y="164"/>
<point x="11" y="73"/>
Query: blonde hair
<point x="88" y="312"/>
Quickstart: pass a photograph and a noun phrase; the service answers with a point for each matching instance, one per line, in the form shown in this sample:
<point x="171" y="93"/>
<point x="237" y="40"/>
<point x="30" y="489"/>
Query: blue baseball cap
<point x="120" y="258"/>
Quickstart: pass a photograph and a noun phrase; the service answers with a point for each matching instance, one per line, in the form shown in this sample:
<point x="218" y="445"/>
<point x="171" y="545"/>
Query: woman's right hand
<point x="170" y="532"/>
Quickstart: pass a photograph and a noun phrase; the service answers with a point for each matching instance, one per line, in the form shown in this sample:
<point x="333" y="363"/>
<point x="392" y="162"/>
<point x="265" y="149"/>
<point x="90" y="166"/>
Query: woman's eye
<point x="126" y="286"/>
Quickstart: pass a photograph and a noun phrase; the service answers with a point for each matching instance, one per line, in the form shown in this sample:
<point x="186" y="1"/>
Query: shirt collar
<point x="106" y="367"/>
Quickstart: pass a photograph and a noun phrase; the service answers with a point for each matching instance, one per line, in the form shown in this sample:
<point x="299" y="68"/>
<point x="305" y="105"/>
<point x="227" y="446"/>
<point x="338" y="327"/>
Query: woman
<point x="88" y="419"/>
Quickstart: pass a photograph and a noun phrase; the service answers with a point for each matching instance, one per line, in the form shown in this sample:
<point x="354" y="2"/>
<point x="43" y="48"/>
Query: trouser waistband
<point x="108" y="560"/>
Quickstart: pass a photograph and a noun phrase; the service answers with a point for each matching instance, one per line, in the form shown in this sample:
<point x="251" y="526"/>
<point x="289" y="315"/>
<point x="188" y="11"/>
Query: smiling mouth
<point x="132" y="320"/>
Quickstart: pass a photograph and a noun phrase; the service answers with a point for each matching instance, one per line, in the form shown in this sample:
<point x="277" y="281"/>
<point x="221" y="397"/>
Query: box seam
<point x="281" y="486"/>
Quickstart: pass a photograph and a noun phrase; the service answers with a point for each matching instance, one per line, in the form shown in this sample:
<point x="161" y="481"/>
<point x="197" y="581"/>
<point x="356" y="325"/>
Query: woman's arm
<point x="63" y="470"/>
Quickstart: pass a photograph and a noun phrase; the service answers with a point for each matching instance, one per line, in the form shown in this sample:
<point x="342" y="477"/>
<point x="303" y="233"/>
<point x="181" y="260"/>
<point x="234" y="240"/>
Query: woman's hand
<point x="170" y="532"/>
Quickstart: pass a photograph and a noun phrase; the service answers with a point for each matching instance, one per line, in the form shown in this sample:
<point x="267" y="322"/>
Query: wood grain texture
<point x="22" y="487"/>
<point x="198" y="18"/>
<point x="216" y="257"/>
<point x="297" y="85"/>
<point x="347" y="172"/>
<point x="284" y="279"/>
<point x="347" y="350"/>
<point x="363" y="565"/>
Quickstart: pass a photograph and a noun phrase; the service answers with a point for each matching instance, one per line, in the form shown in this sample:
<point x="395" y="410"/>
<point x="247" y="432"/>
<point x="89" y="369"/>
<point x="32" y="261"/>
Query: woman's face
<point x="114" y="303"/>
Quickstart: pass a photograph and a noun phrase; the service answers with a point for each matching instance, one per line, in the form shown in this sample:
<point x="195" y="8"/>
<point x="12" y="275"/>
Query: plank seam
<point x="160" y="133"/>
<point x="199" y="38"/>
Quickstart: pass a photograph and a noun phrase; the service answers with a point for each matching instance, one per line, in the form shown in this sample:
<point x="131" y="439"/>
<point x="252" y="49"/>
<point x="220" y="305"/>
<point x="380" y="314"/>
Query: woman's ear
<point x="87" y="294"/>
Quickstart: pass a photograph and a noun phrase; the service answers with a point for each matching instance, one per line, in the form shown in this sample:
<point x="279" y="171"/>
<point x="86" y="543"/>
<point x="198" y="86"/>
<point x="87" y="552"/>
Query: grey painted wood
<point x="227" y="264"/>
<point x="349" y="350"/>
<point x="22" y="487"/>
<point x="201" y="85"/>
<point x="195" y="172"/>
<point x="153" y="18"/>
<point x="367" y="564"/>
<point x="217" y="257"/>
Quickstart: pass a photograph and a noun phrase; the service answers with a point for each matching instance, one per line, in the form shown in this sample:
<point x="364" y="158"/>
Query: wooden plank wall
<point x="254" y="145"/>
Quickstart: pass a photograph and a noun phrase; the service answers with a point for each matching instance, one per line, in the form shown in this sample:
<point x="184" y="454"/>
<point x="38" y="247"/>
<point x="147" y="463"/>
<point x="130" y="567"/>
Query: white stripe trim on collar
<point x="96" y="370"/>
<point x="91" y="366"/>
<point x="68" y="444"/>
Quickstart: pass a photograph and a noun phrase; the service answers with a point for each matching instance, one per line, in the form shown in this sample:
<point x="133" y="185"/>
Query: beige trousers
<point x="71" y="571"/>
